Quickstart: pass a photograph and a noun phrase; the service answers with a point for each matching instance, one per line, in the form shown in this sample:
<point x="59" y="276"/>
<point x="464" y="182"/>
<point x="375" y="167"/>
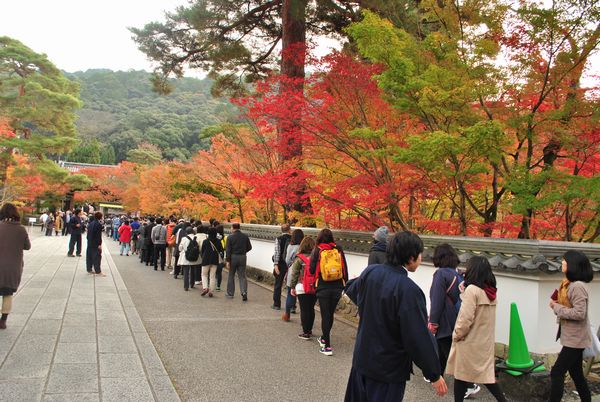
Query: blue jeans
<point x="290" y="301"/>
<point x="124" y="246"/>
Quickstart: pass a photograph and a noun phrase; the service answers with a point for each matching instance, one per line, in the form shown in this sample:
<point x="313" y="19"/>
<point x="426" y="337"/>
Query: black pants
<point x="444" y="345"/>
<point x="160" y="250"/>
<point x="148" y="253"/>
<point x="189" y="276"/>
<point x="279" y="278"/>
<point x="75" y="239"/>
<point x="361" y="388"/>
<point x="328" y="300"/>
<point x="93" y="257"/>
<point x="219" y="274"/>
<point x="460" y="387"/>
<point x="307" y="311"/>
<point x="571" y="360"/>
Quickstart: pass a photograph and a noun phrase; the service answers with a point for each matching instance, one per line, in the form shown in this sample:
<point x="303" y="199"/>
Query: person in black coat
<point x="211" y="252"/>
<point x="377" y="253"/>
<point x="148" y="247"/>
<point x="75" y="230"/>
<point x="444" y="296"/>
<point x="392" y="332"/>
<point x="93" y="255"/>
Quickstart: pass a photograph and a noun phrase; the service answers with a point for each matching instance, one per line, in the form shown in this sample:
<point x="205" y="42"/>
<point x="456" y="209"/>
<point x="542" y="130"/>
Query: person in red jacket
<point x="125" y="237"/>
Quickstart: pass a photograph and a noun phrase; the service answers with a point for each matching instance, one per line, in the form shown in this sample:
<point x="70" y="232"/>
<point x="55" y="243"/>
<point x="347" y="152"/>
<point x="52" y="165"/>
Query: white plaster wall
<point x="532" y="295"/>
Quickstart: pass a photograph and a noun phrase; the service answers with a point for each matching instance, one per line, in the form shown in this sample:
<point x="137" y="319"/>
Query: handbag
<point x="592" y="351"/>
<point x="216" y="251"/>
<point x="299" y="288"/>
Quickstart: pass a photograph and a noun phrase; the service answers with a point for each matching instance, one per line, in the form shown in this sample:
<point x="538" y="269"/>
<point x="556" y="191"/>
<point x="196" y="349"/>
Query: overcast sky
<point x="83" y="34"/>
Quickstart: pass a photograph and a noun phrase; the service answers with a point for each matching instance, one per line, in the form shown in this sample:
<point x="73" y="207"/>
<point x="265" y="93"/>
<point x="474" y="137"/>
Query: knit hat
<point x="381" y="234"/>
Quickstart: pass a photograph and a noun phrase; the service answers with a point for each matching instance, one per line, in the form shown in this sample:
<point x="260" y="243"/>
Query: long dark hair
<point x="579" y="267"/>
<point x="325" y="236"/>
<point x="9" y="212"/>
<point x="479" y="273"/>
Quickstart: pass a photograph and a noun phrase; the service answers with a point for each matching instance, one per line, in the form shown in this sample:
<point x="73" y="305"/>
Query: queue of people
<point x="455" y="337"/>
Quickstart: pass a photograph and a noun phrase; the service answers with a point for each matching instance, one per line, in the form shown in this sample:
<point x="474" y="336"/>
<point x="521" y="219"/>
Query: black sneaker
<point x="304" y="336"/>
<point x="274" y="307"/>
<point x="293" y="311"/>
<point x="244" y="297"/>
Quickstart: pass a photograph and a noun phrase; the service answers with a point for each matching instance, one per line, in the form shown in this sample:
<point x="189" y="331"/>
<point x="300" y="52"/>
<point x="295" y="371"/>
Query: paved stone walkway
<point x="76" y="337"/>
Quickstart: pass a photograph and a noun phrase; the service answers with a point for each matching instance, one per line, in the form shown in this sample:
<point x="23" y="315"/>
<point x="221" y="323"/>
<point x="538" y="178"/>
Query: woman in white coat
<point x="188" y="267"/>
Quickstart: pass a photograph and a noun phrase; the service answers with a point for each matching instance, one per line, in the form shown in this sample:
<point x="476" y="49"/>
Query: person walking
<point x="444" y="296"/>
<point x="377" y="252"/>
<point x="93" y="254"/>
<point x="392" y="331"/>
<point x="116" y="225"/>
<point x="471" y="358"/>
<point x="306" y="294"/>
<point x="148" y="248"/>
<point x="159" y="240"/>
<point x="66" y="219"/>
<point x="211" y="252"/>
<point x="75" y="230"/>
<point x="279" y="265"/>
<point x="290" y="256"/>
<point x="223" y="239"/>
<point x="238" y="245"/>
<point x="135" y="235"/>
<point x="43" y="219"/>
<point x="49" y="224"/>
<point x="13" y="240"/>
<point x="180" y="232"/>
<point x="571" y="309"/>
<point x="328" y="263"/>
<point x="188" y="265"/>
<point x="171" y="240"/>
<point x="58" y="223"/>
<point x="125" y="237"/>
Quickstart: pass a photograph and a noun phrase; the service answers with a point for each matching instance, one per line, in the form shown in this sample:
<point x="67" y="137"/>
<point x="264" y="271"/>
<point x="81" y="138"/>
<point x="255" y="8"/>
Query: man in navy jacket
<point x="392" y="333"/>
<point x="94" y="245"/>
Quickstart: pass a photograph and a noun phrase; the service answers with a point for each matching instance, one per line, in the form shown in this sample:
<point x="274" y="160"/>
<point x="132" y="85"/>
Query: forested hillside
<point x="121" y="115"/>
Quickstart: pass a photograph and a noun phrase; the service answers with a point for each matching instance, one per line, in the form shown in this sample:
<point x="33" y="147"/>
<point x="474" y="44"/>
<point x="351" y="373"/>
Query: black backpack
<point x="192" y="252"/>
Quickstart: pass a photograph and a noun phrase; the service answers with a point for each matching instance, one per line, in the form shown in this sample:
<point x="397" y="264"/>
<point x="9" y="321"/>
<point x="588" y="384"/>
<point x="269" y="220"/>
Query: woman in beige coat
<point x="571" y="309"/>
<point x="471" y="357"/>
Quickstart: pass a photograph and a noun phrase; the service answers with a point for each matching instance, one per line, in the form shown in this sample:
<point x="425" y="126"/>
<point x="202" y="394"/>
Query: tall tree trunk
<point x="462" y="215"/>
<point x="293" y="58"/>
<point x="240" y="210"/>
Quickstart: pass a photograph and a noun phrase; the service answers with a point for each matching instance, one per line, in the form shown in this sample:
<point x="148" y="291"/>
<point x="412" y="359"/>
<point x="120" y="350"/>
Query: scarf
<point x="563" y="297"/>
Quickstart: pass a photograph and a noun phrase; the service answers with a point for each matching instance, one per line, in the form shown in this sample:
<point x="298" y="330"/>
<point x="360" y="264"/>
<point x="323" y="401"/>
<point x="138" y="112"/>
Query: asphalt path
<point x="219" y="349"/>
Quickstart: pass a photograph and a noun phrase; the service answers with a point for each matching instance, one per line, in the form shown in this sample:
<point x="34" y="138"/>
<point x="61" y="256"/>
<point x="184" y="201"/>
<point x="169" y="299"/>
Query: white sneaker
<point x="425" y="379"/>
<point x="197" y="283"/>
<point x="472" y="391"/>
<point x="171" y="272"/>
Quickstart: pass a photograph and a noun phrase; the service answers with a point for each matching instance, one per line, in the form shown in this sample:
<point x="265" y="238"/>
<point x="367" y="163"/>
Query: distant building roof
<point x="75" y="167"/>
